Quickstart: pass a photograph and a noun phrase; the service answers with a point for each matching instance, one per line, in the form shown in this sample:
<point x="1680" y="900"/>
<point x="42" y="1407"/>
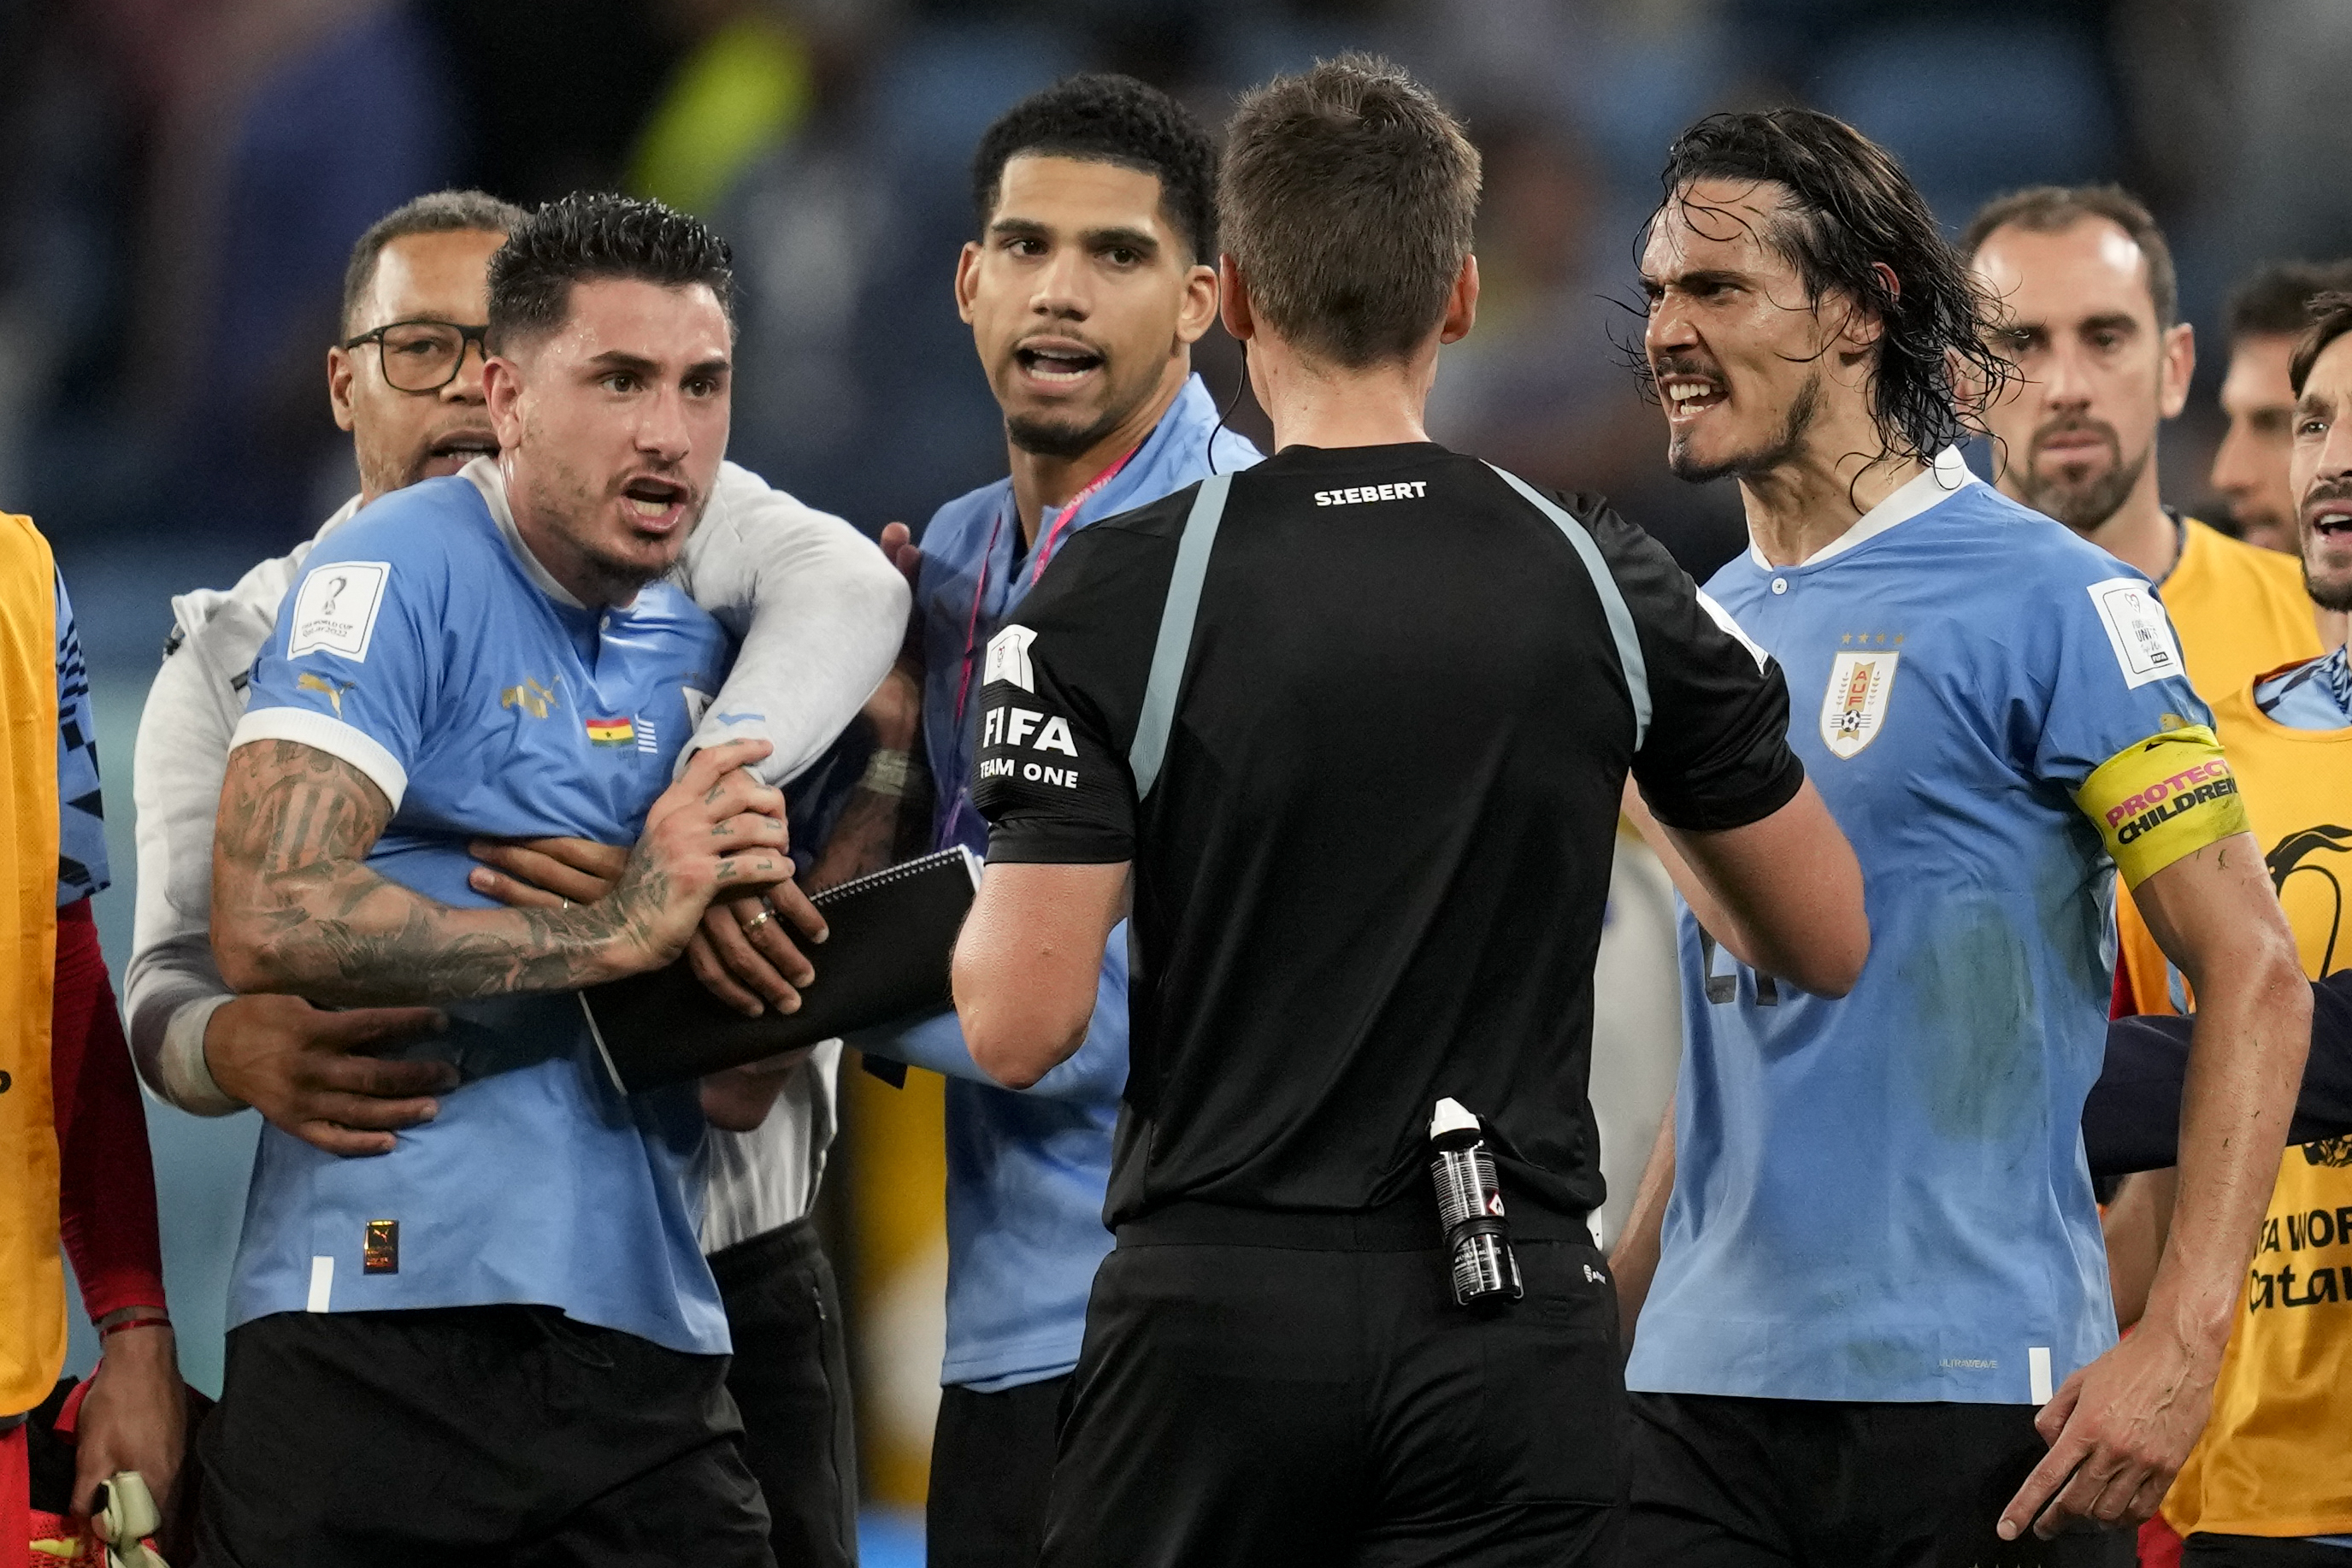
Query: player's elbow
<point x="249" y="958"/>
<point x="245" y="966"/>
<point x="2270" y="977"/>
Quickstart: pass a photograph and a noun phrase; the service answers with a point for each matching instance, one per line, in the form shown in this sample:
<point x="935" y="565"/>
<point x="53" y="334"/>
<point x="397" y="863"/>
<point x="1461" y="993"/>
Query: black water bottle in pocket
<point x="1470" y="1208"/>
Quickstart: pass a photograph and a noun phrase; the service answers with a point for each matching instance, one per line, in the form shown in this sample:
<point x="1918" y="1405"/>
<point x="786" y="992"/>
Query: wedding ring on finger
<point x="756" y="921"/>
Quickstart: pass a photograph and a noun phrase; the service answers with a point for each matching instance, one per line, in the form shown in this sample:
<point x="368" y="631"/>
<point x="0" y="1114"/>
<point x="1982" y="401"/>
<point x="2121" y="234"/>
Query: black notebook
<point x="884" y="961"/>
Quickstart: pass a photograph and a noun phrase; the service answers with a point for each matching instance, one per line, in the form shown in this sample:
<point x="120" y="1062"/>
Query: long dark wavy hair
<point x="1850" y="208"/>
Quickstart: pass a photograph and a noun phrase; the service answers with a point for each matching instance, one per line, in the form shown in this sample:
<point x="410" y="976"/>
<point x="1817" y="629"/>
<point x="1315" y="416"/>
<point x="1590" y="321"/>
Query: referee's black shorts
<point x="1721" y="1482"/>
<point x="1295" y="1390"/>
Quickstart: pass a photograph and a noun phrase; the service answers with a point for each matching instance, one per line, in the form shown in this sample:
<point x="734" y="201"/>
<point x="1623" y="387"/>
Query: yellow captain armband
<point x="2163" y="799"/>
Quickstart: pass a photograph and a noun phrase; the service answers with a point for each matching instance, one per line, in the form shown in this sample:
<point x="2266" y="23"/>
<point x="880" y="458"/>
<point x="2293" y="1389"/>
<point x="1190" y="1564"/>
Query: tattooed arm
<point x="296" y="909"/>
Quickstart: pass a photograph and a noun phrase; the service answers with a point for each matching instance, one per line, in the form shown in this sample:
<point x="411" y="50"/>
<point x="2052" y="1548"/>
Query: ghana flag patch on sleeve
<point x="612" y="731"/>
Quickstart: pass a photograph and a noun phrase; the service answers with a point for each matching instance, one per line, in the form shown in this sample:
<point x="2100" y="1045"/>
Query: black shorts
<point x="991" y="1468"/>
<point x="1763" y="1483"/>
<point x="1291" y="1400"/>
<point x="789" y="1378"/>
<point x="506" y="1434"/>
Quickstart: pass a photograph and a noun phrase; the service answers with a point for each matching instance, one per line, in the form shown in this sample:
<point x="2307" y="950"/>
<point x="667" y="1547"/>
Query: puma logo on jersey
<point x="332" y="689"/>
<point x="1014" y="726"/>
<point x="531" y="697"/>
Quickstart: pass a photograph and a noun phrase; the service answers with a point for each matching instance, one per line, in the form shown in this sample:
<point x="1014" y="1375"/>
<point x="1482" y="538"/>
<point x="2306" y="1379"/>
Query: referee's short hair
<point x="442" y="212"/>
<point x="592" y="235"/>
<point x="1347" y="198"/>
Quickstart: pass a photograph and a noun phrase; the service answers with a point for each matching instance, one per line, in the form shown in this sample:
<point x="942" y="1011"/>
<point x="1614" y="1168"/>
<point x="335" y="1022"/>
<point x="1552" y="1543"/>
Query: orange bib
<point x="32" y="1274"/>
<point x="2277" y="1458"/>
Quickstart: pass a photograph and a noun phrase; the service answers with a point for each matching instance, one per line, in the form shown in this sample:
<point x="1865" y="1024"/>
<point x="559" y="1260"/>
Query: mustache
<point x="1684" y="363"/>
<point x="2337" y="489"/>
<point x="2074" y="425"/>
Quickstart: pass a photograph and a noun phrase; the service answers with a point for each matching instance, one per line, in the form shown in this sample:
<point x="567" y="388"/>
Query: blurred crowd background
<point x="183" y="179"/>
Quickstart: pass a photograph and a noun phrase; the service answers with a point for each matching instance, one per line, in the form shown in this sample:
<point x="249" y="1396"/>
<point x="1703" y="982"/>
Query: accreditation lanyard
<point x="1045" y="548"/>
<point x="1046" y="544"/>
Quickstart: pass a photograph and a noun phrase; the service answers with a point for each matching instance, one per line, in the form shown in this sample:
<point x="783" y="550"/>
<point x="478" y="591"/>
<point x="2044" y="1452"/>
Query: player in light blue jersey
<point x="1881" y="1254"/>
<point x="501" y="1334"/>
<point x="1091" y="277"/>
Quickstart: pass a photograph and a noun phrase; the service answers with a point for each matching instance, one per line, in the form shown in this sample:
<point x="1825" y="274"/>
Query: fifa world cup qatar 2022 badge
<point x="1862" y="682"/>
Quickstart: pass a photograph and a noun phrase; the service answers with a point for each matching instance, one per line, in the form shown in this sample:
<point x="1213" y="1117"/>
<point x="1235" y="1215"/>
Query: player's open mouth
<point x="459" y="448"/>
<point x="652" y="500"/>
<point x="1061" y="363"/>
<point x="1686" y="396"/>
<point x="2332" y="520"/>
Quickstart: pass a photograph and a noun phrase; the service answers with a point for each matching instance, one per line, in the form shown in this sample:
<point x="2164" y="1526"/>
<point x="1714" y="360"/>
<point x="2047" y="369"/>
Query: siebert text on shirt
<point x="1355" y="494"/>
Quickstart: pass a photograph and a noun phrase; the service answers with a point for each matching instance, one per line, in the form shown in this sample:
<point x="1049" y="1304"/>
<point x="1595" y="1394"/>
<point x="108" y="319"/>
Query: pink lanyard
<point x="1045" y="548"/>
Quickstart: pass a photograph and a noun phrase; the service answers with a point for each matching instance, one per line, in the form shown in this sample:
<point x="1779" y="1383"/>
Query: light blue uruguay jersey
<point x="1884" y="1198"/>
<point x="427" y="647"/>
<point x="1027" y="1172"/>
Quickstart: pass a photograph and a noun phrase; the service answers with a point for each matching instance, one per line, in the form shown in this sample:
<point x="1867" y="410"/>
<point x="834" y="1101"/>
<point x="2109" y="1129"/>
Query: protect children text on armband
<point x="2163" y="799"/>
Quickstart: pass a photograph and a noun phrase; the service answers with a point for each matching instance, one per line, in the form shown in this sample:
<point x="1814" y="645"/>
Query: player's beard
<point x="2082" y="505"/>
<point x="1803" y="410"/>
<point x="575" y="509"/>
<point x="1065" y="437"/>
<point x="2332" y="592"/>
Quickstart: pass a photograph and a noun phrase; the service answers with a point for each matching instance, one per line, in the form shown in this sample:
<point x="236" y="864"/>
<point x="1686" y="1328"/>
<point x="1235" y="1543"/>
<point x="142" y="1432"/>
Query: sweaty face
<point x="2249" y="469"/>
<point x="1081" y="297"/>
<point x="2320" y="469"/>
<point x="2075" y="432"/>
<point x="399" y="437"/>
<point x="613" y="424"/>
<point x="1734" y="342"/>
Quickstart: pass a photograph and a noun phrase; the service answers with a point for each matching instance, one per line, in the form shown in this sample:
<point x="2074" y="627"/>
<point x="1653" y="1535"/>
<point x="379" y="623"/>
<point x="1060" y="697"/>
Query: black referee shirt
<point x="1372" y="866"/>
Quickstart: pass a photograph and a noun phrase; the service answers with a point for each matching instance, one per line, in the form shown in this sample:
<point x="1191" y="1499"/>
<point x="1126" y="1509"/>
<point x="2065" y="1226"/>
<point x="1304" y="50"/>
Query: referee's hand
<point x="2118" y="1431"/>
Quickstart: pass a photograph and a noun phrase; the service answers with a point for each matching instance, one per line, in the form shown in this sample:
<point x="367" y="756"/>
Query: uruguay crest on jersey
<point x="1854" y="706"/>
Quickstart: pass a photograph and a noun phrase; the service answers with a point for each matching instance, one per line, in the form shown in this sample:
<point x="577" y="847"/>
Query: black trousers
<point x="992" y="1469"/>
<point x="2205" y="1550"/>
<point x="1772" y="1483"/>
<point x="1253" y="1391"/>
<point x="789" y="1378"/>
<point x="507" y="1436"/>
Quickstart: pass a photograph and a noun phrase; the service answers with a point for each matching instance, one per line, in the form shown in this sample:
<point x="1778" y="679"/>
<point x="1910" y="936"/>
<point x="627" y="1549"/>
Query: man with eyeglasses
<point x="819" y="616"/>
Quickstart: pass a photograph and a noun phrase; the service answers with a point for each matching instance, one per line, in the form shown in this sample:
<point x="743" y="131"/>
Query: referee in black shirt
<point x="1357" y="720"/>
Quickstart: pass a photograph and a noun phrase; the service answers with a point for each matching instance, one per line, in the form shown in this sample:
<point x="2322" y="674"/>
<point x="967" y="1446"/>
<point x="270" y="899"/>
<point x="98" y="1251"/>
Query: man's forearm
<point x="1633" y="1262"/>
<point x="2252" y="1028"/>
<point x="295" y="911"/>
<point x="2244" y="1064"/>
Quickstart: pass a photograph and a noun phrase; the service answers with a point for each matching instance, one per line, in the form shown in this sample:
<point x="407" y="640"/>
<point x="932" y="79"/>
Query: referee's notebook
<point x="884" y="961"/>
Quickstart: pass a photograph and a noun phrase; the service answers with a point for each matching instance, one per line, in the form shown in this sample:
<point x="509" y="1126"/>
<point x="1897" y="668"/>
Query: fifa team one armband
<point x="2162" y="799"/>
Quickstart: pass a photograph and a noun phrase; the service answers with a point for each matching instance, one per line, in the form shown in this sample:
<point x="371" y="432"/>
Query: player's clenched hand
<point x="2118" y="1432"/>
<point x="717" y="829"/>
<point x="545" y="873"/>
<point x="297" y="1065"/>
<point x="745" y="954"/>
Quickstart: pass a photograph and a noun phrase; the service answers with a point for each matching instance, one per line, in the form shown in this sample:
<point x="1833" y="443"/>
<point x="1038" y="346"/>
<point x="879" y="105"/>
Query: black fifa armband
<point x="1022" y="742"/>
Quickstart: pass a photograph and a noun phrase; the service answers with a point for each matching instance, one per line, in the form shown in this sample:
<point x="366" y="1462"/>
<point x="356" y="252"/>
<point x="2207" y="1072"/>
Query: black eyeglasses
<point x="421" y="356"/>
